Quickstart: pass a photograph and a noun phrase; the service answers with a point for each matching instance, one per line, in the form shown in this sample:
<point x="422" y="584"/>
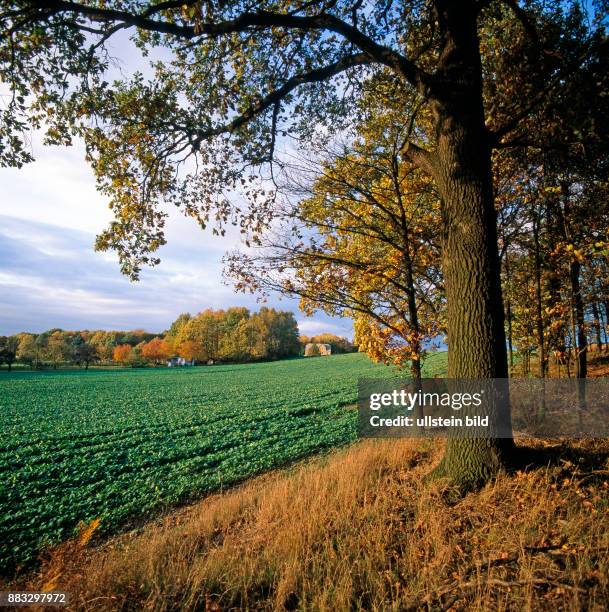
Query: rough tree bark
<point x="475" y="315"/>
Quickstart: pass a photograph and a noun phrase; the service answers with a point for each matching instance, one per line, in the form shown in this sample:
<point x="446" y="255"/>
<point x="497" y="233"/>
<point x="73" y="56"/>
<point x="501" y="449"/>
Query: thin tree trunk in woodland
<point x="606" y="323"/>
<point x="539" y="305"/>
<point x="413" y="315"/>
<point x="555" y="228"/>
<point x="580" y="340"/>
<point x="508" y="310"/>
<point x="597" y="326"/>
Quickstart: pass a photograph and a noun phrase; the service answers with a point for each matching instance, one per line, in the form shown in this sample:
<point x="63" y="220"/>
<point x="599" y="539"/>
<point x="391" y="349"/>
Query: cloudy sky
<point x="50" y="276"/>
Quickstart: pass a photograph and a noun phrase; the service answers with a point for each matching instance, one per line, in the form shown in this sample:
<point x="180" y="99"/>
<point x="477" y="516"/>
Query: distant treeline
<point x="233" y="335"/>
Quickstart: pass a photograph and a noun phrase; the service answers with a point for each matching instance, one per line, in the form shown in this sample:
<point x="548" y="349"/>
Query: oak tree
<point x="239" y="75"/>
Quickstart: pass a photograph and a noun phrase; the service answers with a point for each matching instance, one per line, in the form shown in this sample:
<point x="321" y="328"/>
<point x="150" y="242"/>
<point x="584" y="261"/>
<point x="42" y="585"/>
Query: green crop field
<point x="115" y="445"/>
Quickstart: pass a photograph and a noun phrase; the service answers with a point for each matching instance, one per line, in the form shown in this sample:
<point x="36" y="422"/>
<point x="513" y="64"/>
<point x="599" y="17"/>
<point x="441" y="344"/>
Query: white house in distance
<point x="179" y="362"/>
<point x="313" y="349"/>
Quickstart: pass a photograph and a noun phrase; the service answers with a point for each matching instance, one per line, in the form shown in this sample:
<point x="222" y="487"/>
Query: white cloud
<point x="315" y="326"/>
<point x="58" y="189"/>
<point x="50" y="275"/>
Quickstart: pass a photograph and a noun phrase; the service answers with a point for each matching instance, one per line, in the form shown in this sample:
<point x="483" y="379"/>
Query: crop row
<point x="118" y="445"/>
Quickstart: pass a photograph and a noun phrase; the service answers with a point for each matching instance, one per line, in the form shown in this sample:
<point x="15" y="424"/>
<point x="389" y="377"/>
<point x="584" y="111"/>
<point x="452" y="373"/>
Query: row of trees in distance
<point x="231" y="335"/>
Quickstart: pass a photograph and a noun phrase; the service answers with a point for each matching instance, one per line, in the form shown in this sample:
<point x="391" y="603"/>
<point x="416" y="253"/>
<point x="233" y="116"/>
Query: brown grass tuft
<point x="360" y="530"/>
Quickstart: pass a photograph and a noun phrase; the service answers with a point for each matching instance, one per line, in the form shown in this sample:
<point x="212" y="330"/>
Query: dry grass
<point x="360" y="530"/>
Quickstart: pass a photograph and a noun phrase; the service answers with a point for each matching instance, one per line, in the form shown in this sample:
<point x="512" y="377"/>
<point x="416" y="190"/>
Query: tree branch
<point x="274" y="97"/>
<point x="527" y="24"/>
<point x="323" y="21"/>
<point x="140" y="20"/>
<point x="421" y="158"/>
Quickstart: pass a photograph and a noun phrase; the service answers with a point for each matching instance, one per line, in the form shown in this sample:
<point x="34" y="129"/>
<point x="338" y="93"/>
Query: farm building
<point x="179" y="362"/>
<point x="315" y="348"/>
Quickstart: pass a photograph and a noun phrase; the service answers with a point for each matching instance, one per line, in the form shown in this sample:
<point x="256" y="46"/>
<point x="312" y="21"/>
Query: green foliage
<point x="58" y="347"/>
<point x="82" y="351"/>
<point x="78" y="446"/>
<point x="8" y="350"/>
<point x="235" y="77"/>
<point x="236" y="335"/>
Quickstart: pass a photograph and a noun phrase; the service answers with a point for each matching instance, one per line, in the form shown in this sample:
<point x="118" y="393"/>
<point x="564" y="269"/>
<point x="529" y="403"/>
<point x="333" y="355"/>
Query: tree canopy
<point x="228" y="81"/>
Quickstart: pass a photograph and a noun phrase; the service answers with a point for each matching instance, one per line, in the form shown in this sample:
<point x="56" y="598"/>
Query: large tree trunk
<point x="475" y="316"/>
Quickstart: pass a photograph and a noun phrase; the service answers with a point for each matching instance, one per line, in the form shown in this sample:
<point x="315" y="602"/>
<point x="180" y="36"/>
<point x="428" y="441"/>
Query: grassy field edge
<point x="360" y="529"/>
